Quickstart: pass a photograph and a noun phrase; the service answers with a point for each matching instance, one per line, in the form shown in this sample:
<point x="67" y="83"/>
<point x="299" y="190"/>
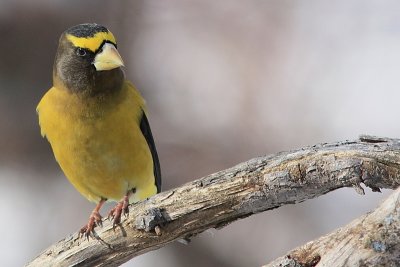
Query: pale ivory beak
<point x="108" y="59"/>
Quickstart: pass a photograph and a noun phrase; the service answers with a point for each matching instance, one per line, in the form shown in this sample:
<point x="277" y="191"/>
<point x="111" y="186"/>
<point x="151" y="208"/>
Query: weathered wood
<point x="371" y="240"/>
<point x="257" y="185"/>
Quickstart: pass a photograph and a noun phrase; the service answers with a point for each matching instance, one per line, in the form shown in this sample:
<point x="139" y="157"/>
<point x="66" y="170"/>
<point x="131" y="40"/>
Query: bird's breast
<point x="99" y="146"/>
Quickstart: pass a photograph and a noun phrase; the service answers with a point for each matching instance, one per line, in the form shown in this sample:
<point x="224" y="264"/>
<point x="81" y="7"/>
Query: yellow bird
<point x="96" y="123"/>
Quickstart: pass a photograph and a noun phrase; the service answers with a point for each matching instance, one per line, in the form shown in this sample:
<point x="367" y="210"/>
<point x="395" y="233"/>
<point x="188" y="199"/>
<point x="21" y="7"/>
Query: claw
<point x="94" y="219"/>
<point x="121" y="207"/>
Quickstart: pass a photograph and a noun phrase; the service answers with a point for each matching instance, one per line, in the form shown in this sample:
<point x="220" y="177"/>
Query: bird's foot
<point x="94" y="219"/>
<point x="121" y="207"/>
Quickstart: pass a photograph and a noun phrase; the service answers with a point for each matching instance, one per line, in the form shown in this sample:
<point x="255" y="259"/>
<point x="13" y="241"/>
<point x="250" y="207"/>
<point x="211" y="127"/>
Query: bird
<point x="96" y="122"/>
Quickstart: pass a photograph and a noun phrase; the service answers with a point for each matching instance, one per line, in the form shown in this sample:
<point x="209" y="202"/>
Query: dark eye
<point x="81" y="52"/>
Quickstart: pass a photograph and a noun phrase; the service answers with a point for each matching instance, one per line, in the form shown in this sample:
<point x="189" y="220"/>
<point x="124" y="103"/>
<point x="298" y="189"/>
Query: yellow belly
<point x="98" y="143"/>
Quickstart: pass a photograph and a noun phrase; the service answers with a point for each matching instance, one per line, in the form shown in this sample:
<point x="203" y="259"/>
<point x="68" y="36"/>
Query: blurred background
<point x="225" y="81"/>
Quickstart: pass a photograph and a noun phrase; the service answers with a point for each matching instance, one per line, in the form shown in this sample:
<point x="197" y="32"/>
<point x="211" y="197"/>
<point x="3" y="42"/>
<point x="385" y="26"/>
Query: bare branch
<point x="371" y="240"/>
<point x="257" y="185"/>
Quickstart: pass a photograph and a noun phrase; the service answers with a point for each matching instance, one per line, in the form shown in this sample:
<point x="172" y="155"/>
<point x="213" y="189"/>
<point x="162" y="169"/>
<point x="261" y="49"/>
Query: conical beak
<point x="108" y="59"/>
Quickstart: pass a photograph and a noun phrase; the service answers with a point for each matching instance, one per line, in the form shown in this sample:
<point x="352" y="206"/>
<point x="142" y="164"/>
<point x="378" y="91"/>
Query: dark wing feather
<point x="145" y="128"/>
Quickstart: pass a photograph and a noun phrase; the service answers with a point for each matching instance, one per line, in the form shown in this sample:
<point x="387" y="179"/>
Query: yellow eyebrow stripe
<point x="93" y="42"/>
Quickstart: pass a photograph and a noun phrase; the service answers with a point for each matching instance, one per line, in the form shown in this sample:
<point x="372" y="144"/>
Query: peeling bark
<point x="371" y="240"/>
<point x="216" y="200"/>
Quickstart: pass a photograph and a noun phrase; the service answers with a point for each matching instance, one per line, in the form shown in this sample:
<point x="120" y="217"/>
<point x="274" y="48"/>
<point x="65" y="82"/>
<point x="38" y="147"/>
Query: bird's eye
<point x="81" y="52"/>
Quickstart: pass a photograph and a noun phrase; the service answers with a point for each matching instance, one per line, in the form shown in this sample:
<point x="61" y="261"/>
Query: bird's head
<point x="87" y="60"/>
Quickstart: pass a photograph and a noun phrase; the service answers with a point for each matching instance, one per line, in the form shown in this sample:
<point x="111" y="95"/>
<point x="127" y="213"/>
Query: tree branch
<point x="216" y="200"/>
<point x="371" y="240"/>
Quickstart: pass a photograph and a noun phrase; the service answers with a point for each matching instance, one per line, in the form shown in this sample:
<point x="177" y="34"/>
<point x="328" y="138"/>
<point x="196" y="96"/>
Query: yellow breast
<point x="98" y="142"/>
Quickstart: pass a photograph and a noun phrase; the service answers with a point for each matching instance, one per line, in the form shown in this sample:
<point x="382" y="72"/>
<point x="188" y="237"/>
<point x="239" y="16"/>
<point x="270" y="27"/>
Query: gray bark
<point x="216" y="200"/>
<point x="371" y="240"/>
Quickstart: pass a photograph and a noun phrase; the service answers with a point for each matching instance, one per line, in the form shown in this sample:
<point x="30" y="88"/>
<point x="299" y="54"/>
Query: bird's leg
<point x="94" y="219"/>
<point x="121" y="206"/>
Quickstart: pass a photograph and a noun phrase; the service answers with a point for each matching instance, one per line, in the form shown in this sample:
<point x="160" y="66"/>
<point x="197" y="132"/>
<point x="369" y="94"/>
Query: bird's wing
<point x="145" y="128"/>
